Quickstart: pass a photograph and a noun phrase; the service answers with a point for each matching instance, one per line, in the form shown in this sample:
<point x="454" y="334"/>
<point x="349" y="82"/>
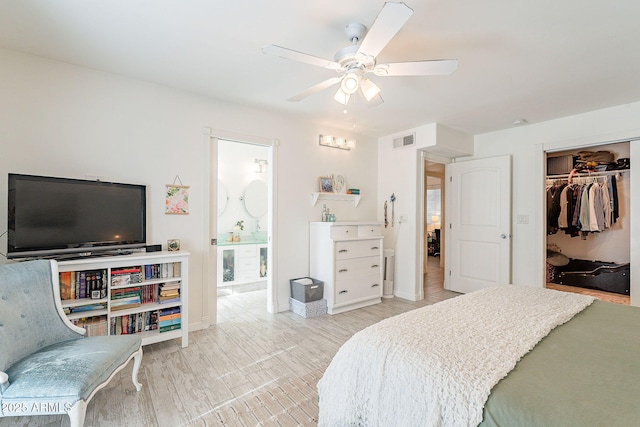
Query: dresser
<point x="347" y="257"/>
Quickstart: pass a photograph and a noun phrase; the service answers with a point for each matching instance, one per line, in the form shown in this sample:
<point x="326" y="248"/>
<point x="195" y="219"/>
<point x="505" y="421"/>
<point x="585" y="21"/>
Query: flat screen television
<point x="54" y="217"/>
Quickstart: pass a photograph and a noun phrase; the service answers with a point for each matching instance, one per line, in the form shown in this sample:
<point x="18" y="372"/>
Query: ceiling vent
<point x="404" y="141"/>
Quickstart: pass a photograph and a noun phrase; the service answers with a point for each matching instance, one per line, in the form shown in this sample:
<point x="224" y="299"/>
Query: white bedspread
<point x="435" y="366"/>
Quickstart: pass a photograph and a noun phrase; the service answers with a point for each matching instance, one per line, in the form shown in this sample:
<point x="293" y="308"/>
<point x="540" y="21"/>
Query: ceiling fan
<point x="355" y="61"/>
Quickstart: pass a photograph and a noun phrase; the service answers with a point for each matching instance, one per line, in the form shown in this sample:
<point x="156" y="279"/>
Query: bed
<point x="503" y="356"/>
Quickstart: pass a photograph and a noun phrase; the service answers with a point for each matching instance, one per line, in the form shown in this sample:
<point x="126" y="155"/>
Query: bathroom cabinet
<point x="242" y="263"/>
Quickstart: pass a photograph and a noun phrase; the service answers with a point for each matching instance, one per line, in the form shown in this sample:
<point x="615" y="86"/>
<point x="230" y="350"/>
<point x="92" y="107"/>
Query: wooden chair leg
<point x="77" y="413"/>
<point x="137" y="361"/>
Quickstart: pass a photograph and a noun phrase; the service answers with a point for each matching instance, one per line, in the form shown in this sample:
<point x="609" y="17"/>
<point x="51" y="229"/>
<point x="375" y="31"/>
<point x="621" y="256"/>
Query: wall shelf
<point x="355" y="198"/>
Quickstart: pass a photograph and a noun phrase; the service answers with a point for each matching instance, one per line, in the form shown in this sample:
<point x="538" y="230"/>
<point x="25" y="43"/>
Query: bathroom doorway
<point x="242" y="252"/>
<point x="242" y="217"/>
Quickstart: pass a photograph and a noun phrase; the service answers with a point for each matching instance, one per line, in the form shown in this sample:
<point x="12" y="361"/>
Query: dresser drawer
<point x="369" y="230"/>
<point x="368" y="287"/>
<point x="358" y="249"/>
<point x="348" y="270"/>
<point x="344" y="231"/>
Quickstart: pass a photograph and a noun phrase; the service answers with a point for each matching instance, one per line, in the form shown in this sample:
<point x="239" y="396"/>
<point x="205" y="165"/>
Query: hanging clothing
<point x="582" y="208"/>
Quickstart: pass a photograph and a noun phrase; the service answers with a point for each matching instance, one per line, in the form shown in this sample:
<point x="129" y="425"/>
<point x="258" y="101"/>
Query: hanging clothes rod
<point x="588" y="174"/>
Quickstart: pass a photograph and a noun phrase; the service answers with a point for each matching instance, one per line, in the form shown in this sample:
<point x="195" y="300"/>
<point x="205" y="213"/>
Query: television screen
<point x="50" y="216"/>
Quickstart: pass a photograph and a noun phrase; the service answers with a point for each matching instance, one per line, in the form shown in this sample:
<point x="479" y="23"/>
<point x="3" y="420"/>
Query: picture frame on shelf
<point x="326" y="184"/>
<point x="339" y="184"/>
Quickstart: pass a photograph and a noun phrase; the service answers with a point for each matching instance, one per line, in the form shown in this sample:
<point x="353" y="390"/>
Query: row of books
<point x="125" y="276"/>
<point x="134" y="323"/>
<point x="169" y="319"/>
<point x="353" y="191"/>
<point x="162" y="271"/>
<point x="124" y="298"/>
<point x="83" y="284"/>
<point x="94" y="326"/>
<point x="168" y="292"/>
<point x="135" y="296"/>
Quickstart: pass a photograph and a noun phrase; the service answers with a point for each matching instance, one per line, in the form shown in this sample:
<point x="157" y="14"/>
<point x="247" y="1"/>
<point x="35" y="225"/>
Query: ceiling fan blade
<point x="437" y="67"/>
<point x="283" y="52"/>
<point x="316" y="88"/>
<point x="388" y="22"/>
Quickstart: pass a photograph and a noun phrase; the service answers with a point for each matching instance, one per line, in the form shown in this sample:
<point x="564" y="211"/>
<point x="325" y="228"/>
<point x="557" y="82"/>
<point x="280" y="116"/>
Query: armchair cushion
<point x="67" y="371"/>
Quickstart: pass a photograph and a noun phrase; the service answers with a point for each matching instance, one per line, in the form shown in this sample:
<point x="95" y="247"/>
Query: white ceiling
<point x="537" y="60"/>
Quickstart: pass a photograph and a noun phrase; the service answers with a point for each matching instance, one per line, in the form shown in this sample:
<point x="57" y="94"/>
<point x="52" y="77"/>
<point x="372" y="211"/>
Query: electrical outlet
<point x="522" y="219"/>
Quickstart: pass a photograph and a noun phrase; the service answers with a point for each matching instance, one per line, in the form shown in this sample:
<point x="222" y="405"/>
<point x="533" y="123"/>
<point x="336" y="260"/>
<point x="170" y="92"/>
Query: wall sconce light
<point x="261" y="165"/>
<point x="337" y="142"/>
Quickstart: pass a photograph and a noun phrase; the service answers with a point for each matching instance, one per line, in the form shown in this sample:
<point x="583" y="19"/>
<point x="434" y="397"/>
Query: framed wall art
<point x="177" y="198"/>
<point x="326" y="184"/>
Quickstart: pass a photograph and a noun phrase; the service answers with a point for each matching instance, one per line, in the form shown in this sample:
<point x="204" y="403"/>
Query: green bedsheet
<point x="584" y="373"/>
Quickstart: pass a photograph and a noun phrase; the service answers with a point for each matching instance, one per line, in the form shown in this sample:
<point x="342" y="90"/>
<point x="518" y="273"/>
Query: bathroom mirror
<point x="255" y="198"/>
<point x="222" y="197"/>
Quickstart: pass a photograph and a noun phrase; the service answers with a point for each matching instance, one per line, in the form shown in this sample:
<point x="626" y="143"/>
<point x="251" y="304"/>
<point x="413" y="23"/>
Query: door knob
<point x="503" y="236"/>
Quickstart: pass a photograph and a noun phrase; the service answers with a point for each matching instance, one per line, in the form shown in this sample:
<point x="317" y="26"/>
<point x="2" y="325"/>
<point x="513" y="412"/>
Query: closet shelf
<point x="355" y="198"/>
<point x="589" y="174"/>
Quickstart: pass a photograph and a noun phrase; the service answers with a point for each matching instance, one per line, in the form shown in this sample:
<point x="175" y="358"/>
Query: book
<point x="169" y="322"/>
<point x="169" y="316"/>
<point x="65" y="285"/>
<point x="83" y="285"/>
<point x="169" y="328"/>
<point x="168" y="311"/>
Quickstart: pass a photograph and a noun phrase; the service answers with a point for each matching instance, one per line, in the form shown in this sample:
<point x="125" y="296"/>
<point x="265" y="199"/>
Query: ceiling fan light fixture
<point x="341" y="97"/>
<point x="369" y="89"/>
<point x="350" y="83"/>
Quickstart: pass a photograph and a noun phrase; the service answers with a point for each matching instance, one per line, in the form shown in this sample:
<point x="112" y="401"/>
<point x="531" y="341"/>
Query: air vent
<point x="404" y="141"/>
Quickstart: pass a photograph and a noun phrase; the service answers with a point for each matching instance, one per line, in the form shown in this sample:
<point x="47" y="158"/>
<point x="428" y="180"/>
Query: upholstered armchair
<point x="47" y="365"/>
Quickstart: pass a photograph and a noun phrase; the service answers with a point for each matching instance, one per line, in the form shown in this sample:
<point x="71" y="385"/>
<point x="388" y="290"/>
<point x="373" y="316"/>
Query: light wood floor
<point x="251" y="369"/>
<point x="602" y="295"/>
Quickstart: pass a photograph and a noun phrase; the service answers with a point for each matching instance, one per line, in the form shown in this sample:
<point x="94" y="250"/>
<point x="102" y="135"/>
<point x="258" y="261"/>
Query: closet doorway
<point x="585" y="253"/>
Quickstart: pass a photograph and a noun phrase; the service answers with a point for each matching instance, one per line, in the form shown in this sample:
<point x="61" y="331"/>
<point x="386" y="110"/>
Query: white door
<point x="479" y="224"/>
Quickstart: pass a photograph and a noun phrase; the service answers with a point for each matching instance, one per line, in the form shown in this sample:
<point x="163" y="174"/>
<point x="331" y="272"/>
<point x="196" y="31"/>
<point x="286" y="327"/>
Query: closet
<point x="588" y="220"/>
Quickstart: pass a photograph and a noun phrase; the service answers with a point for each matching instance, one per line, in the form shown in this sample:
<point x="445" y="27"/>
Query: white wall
<point x="526" y="146"/>
<point x="61" y="120"/>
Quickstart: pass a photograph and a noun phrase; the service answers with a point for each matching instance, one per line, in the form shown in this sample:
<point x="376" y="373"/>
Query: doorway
<point x="242" y="218"/>
<point x="433" y="239"/>
<point x="242" y="171"/>
<point x="577" y="253"/>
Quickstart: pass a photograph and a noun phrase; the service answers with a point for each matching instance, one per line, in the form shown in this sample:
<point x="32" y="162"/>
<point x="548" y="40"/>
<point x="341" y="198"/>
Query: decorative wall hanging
<point x="177" y="201"/>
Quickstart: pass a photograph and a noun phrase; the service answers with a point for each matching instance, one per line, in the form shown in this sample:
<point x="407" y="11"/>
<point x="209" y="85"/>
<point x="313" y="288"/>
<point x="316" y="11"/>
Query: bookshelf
<point x="143" y="293"/>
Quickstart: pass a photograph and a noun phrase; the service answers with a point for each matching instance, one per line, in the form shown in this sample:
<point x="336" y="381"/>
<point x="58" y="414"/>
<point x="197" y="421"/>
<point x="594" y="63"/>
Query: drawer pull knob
<point x="344" y="270"/>
<point x="343" y="292"/>
<point x="341" y="251"/>
<point x="375" y="266"/>
<point x="374" y="248"/>
<point x="375" y="284"/>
